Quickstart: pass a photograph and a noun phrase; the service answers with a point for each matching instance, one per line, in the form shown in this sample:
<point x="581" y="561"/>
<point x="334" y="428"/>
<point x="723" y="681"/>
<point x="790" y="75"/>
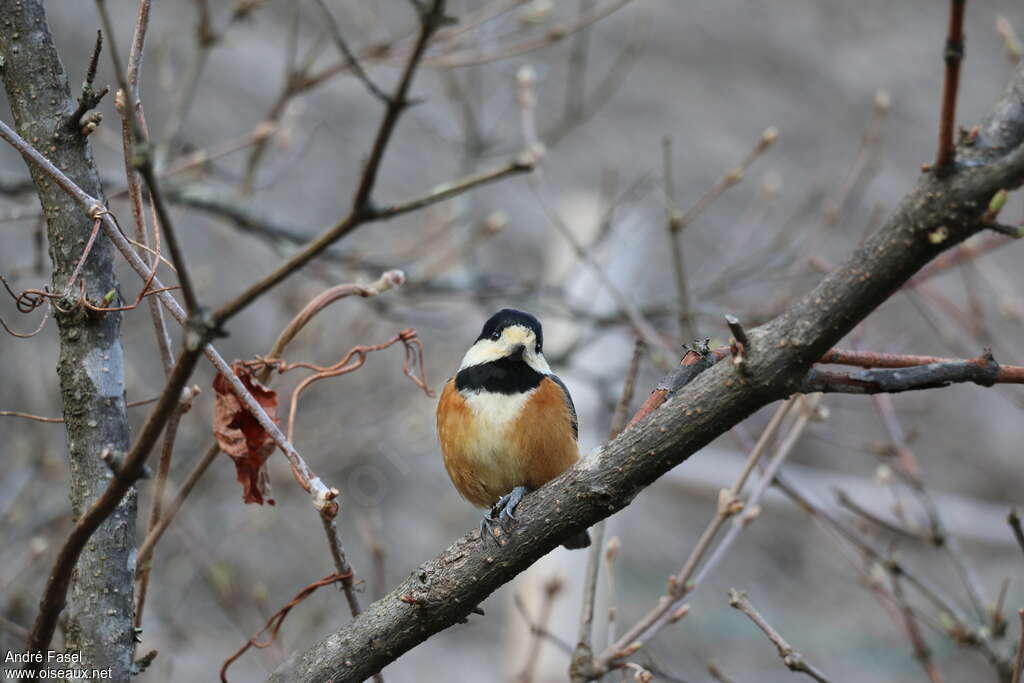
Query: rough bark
<point x="937" y="214"/>
<point x="91" y="363"/>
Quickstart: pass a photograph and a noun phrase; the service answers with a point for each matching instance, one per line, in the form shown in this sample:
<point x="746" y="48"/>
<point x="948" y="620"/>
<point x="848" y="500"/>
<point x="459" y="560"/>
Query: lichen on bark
<point x="99" y="619"/>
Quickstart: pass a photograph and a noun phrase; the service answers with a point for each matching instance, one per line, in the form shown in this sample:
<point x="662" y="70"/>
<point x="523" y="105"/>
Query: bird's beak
<point x="516" y="352"/>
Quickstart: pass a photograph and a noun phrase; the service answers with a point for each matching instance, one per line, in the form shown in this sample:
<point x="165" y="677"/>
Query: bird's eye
<point x="496" y="335"/>
<point x="538" y="348"/>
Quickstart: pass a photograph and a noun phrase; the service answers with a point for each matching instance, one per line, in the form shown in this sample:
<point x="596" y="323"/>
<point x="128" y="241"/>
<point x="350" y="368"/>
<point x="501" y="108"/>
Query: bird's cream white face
<point x="490" y="350"/>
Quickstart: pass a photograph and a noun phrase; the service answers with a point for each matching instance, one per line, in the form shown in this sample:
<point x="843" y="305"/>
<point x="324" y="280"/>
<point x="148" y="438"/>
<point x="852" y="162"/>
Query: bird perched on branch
<point x="507" y="425"/>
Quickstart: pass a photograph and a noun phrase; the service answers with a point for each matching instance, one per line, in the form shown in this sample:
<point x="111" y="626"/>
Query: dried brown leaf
<point x="241" y="436"/>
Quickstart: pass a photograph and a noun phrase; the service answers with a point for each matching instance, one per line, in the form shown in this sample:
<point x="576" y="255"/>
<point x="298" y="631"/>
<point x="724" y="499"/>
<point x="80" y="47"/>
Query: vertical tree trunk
<point x="91" y="364"/>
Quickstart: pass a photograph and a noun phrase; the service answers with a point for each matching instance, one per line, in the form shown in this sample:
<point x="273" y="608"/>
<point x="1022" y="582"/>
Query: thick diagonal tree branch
<point x="937" y="214"/>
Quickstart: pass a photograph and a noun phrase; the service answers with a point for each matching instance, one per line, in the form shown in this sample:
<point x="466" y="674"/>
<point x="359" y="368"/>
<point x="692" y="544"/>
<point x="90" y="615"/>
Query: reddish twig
<point x="275" y="622"/>
<point x="983" y="371"/>
<point x="954" y="54"/>
<point x="25" y="335"/>
<point x="693" y="362"/>
<point x="31" y="299"/>
<point x="390" y="279"/>
<point x="350" y="362"/>
<point x="922" y="652"/>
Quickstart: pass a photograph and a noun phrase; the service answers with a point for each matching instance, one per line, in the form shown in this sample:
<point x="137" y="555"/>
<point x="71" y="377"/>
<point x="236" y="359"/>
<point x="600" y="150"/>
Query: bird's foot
<point x="502" y="514"/>
<point x="487" y="528"/>
<point x="506" y="507"/>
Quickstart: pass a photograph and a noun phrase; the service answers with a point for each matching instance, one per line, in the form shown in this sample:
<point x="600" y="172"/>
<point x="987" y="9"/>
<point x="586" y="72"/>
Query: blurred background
<point x="853" y="90"/>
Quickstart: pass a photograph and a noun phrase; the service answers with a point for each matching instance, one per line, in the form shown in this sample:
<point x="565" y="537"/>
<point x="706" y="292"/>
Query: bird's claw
<point x="506" y="507"/>
<point x="502" y="514"/>
<point x="487" y="525"/>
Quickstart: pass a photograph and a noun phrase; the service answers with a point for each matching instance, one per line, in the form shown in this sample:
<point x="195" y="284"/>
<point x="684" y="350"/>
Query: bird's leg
<point x="502" y="514"/>
<point x="506" y="507"/>
<point x="487" y="525"/>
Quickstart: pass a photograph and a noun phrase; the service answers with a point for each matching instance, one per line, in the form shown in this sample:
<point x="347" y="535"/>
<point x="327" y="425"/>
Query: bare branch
<point x="352" y="62"/>
<point x="1018" y="662"/>
<point x="1013" y="519"/>
<point x="954" y="54"/>
<point x="793" y="660"/>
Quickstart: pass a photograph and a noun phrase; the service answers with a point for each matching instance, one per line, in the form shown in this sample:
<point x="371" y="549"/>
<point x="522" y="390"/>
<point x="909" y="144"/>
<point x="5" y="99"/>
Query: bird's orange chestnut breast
<point x="493" y="443"/>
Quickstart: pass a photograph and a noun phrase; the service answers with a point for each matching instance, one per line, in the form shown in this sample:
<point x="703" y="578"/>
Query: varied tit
<point x="507" y="425"/>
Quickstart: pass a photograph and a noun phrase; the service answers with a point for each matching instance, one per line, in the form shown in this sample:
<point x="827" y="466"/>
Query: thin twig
<point x="159" y="487"/>
<point x="732" y="177"/>
<point x="922" y="652"/>
<point x="352" y="62"/>
<point x="275" y="622"/>
<point x="953" y="55"/>
<point x="1013" y="519"/>
<point x="537" y="629"/>
<point x="154" y="533"/>
<point x="1018" y="661"/>
<point x="640" y="324"/>
<point x="576" y="74"/>
<point x="518" y="165"/>
<point x="674" y="225"/>
<point x="341" y="564"/>
<point x="1011" y="43"/>
<point x="552" y="35"/>
<point x="552" y="589"/>
<point x="611" y="554"/>
<point x="906" y="465"/>
<point x="844" y="499"/>
<point x="144" y="162"/>
<point x="128" y="139"/>
<point x="362" y="209"/>
<point x="40" y="418"/>
<point x="793" y="660"/>
<point x="352" y="361"/>
<point x="430" y="21"/>
<point x="954" y="622"/>
<point x="716" y="673"/>
<point x="680" y="585"/>
<point x="997" y="623"/>
<point x="388" y="280"/>
<point x="581" y="668"/>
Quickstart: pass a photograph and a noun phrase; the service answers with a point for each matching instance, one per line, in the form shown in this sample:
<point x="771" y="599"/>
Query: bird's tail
<point x="580" y="540"/>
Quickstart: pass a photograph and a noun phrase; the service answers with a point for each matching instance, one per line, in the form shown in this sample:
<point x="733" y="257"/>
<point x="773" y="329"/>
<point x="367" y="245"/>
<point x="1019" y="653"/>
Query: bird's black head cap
<point x="508" y="317"/>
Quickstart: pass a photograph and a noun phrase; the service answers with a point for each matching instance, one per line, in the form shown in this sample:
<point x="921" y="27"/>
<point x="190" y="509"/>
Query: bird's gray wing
<point x="568" y="402"/>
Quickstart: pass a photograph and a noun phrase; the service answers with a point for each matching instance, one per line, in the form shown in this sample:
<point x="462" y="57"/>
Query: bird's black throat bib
<point x="503" y="376"/>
